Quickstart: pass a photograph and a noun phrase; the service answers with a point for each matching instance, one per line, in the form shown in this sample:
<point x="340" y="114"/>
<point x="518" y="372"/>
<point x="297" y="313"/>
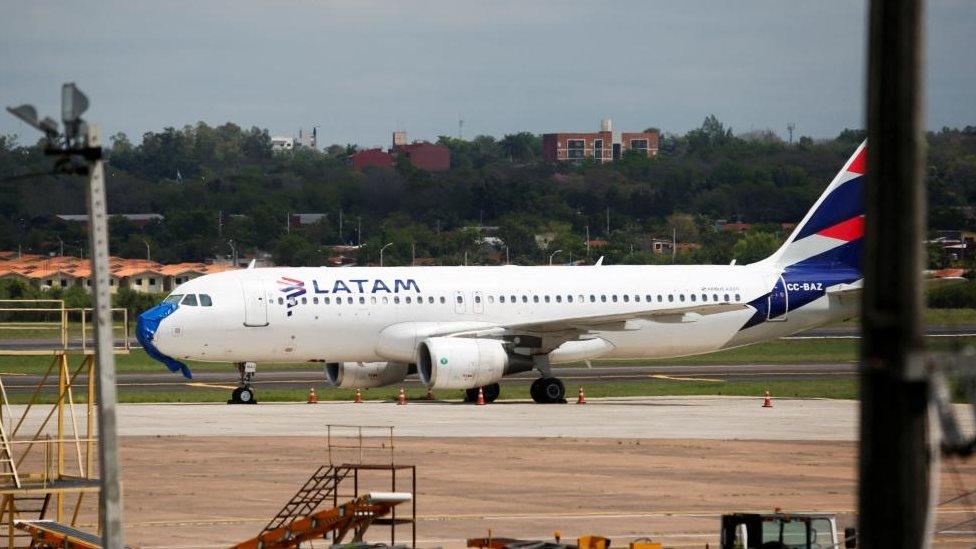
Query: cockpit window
<point x="205" y="300"/>
<point x="174" y="298"/>
<point x="190" y="300"/>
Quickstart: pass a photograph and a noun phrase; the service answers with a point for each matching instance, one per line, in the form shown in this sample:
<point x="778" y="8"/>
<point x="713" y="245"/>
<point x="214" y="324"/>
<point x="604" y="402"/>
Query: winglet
<point x="598" y="262"/>
<point x="252" y="263"/>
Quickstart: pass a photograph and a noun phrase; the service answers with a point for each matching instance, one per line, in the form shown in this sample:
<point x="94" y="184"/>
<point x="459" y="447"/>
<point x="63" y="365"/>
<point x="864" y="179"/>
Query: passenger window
<point x="281" y="301"/>
<point x="670" y="297"/>
<point x="614" y="297"/>
<point x="349" y="300"/>
<point x="326" y="300"/>
<point x="547" y="299"/>
<point x="396" y="299"/>
<point x="693" y="297"/>
<point x="501" y="299"/>
<point x="637" y="298"/>
<point x="569" y="298"/>
<point x="190" y="300"/>
<point x="477" y="299"/>
<point x="372" y="300"/>
<point x="535" y="298"/>
<point x="737" y="297"/>
<point x="460" y="299"/>
<point x="726" y="297"/>
<point x="559" y="299"/>
<point x="408" y="299"/>
<point x="603" y="298"/>
<point x="659" y="298"/>
<point x="362" y="300"/>
<point x="582" y="298"/>
<point x="681" y="297"/>
<point x="704" y="297"/>
<point x="430" y="299"/>
<point x="315" y="300"/>
<point x="626" y="298"/>
<point x="386" y="300"/>
<point x="525" y="299"/>
<point x="592" y="298"/>
<point x="443" y="300"/>
<point x="491" y="299"/>
<point x="714" y="297"/>
<point x="304" y="300"/>
<point x="513" y="298"/>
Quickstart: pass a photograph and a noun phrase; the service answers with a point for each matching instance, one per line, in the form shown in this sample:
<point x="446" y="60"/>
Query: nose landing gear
<point x="245" y="393"/>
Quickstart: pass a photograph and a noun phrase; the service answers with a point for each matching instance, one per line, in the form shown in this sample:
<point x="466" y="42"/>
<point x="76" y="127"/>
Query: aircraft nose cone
<point x="149" y="336"/>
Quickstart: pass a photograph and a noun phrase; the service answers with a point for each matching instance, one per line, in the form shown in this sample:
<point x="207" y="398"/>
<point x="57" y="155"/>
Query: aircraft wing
<point x="618" y="321"/>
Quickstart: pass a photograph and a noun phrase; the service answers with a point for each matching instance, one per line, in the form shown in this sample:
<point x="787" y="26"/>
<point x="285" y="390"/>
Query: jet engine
<point x="365" y="375"/>
<point x="465" y="363"/>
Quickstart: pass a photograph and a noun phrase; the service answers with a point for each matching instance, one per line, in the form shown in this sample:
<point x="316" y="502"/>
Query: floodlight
<point x="27" y="113"/>
<point x="48" y="126"/>
<point x="73" y="103"/>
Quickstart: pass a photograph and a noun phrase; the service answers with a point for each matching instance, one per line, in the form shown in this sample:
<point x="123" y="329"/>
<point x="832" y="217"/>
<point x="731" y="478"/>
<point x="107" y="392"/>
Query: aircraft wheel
<point x="242" y="395"/>
<point x="548" y="390"/>
<point x="491" y="392"/>
<point x="536" y="392"/>
<point x="471" y="395"/>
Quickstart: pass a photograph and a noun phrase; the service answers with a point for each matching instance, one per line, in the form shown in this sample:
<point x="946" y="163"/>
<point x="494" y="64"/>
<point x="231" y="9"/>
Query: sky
<point x="359" y="69"/>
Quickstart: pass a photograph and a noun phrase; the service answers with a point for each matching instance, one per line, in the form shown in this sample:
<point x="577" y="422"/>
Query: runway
<point x="164" y="381"/>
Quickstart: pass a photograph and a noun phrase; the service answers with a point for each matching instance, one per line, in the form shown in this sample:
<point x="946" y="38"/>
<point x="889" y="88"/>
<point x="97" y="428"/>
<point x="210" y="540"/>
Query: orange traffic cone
<point x="359" y="397"/>
<point x="481" y="397"/>
<point x="312" y="399"/>
<point x="401" y="398"/>
<point x="581" y="399"/>
<point x="768" y="400"/>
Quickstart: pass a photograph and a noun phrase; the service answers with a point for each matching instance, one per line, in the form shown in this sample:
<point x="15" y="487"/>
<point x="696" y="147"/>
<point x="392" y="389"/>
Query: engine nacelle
<point x="464" y="363"/>
<point x="365" y="375"/>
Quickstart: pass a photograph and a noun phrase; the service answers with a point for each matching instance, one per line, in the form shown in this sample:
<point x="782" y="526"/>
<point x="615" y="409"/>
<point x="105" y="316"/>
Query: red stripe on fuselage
<point x="849" y="230"/>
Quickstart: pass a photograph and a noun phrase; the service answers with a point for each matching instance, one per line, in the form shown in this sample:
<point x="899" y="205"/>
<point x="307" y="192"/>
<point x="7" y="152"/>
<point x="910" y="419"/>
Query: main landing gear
<point x="490" y="393"/>
<point x="547" y="389"/>
<point x="245" y="393"/>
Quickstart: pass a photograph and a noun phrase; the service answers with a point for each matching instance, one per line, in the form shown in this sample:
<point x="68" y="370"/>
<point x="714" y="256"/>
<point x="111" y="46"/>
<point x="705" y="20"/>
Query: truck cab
<point x="783" y="531"/>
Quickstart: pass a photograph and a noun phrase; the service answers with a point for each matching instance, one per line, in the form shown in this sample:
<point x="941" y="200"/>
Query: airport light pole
<point x="381" y="252"/>
<point x="79" y="152"/>
<point x="552" y="255"/>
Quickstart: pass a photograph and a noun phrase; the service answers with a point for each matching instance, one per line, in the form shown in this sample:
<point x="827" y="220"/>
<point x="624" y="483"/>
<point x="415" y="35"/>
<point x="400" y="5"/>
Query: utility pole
<point x="359" y="230"/>
<point x="79" y="152"/>
<point x="790" y="126"/>
<point x="608" y="221"/>
<point x="896" y="454"/>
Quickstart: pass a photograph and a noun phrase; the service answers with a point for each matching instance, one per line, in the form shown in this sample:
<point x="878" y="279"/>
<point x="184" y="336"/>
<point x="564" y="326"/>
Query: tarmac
<point x="692" y="417"/>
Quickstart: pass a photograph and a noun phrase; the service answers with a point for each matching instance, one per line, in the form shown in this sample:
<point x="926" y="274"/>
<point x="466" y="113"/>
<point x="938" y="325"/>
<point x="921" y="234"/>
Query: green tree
<point x="755" y="246"/>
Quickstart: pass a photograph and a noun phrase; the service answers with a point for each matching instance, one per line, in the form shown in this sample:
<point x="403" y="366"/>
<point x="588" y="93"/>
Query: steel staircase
<point x="319" y="487"/>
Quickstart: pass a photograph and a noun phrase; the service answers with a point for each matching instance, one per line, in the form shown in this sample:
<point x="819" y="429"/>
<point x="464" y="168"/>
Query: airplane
<point x="467" y="327"/>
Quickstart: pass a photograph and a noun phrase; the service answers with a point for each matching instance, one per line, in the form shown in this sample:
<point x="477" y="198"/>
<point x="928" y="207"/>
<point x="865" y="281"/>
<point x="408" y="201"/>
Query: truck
<point x="780" y="530"/>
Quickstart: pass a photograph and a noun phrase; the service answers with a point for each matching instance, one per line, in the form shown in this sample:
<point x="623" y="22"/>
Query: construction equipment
<point x="783" y="531"/>
<point x="354" y="516"/>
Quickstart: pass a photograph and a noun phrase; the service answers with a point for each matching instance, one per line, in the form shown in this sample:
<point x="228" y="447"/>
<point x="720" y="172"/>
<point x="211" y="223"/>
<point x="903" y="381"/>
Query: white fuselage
<point x="342" y="312"/>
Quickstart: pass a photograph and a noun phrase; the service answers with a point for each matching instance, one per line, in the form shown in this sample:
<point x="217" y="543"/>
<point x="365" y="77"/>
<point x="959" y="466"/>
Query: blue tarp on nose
<point x="146" y="328"/>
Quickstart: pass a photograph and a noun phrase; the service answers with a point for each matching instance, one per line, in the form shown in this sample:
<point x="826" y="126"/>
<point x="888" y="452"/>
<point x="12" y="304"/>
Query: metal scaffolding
<point x="47" y="427"/>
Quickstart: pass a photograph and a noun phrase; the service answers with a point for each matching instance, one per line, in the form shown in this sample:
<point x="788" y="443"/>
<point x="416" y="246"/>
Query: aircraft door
<point x="479" y="304"/>
<point x="459" y="303"/>
<point x="778" y="302"/>
<point x="255" y="303"/>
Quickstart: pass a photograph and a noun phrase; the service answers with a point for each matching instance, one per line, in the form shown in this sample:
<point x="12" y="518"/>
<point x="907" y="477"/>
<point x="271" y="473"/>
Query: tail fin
<point x="830" y="234"/>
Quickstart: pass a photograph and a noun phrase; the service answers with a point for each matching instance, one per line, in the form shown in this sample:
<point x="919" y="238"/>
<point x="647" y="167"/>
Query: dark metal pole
<point x="896" y="455"/>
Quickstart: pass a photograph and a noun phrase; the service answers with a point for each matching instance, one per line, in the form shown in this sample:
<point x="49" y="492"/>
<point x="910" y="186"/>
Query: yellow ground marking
<point x="209" y="385"/>
<point x="676" y="378"/>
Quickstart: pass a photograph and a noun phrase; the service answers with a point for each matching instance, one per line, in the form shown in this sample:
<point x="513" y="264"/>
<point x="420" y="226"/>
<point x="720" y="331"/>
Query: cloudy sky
<point x="359" y="69"/>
